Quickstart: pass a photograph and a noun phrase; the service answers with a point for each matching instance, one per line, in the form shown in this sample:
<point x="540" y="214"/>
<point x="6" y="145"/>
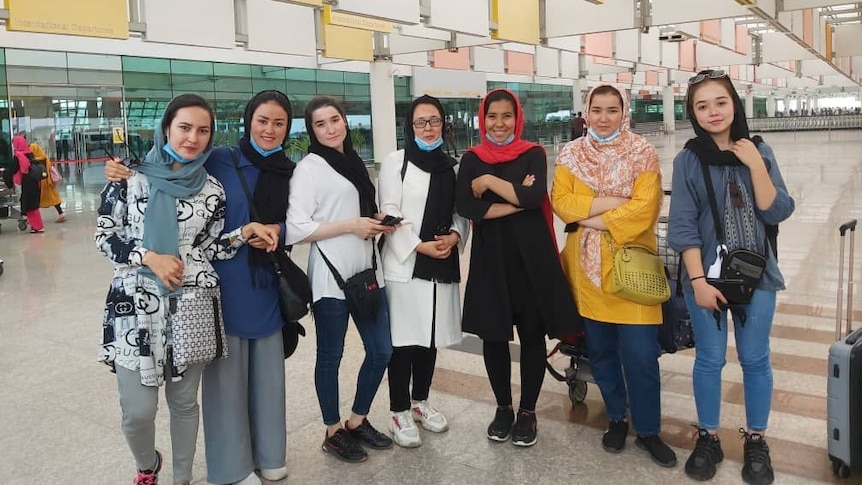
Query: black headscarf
<point x="440" y="202"/>
<point x="272" y="190"/>
<point x="348" y="164"/>
<point x="703" y="145"/>
<point x="708" y="152"/>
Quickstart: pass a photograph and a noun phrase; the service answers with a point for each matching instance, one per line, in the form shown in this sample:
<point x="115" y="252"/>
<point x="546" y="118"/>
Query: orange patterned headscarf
<point x="610" y="169"/>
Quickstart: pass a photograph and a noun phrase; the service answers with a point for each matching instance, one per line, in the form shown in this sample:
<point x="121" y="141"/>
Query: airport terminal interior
<point x="89" y="80"/>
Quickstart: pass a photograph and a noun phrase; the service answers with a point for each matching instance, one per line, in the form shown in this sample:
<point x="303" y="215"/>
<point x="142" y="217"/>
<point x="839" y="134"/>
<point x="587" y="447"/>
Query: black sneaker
<point x="661" y="453"/>
<point x="367" y="435"/>
<point x="524" y="431"/>
<point x="501" y="426"/>
<point x="757" y="467"/>
<point x="705" y="456"/>
<point x="614" y="439"/>
<point x="342" y="446"/>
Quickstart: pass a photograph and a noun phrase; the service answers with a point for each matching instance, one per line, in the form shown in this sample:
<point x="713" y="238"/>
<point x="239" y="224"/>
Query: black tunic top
<point x="514" y="265"/>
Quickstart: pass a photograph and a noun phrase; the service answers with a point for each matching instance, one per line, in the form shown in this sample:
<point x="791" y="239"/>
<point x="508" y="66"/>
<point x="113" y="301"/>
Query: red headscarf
<point x="493" y="154"/>
<point x="21" y="149"/>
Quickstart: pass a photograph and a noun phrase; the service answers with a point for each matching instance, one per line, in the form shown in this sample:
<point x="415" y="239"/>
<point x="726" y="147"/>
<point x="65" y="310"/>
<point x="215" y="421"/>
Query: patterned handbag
<point x="197" y="327"/>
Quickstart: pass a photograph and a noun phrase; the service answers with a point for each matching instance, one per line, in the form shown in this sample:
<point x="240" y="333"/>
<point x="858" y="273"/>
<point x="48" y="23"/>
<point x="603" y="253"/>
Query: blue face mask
<point x="508" y="140"/>
<point x="174" y="155"/>
<point x="260" y="150"/>
<point x="605" y="139"/>
<point x="427" y="147"/>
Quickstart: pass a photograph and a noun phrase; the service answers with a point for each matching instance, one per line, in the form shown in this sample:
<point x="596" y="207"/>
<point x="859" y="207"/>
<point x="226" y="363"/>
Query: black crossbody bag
<point x="741" y="269"/>
<point x="361" y="290"/>
<point x="294" y="290"/>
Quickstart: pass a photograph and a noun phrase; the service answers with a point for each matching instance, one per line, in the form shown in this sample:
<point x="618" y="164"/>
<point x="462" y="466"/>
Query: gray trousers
<point x="139" y="404"/>
<point x="243" y="408"/>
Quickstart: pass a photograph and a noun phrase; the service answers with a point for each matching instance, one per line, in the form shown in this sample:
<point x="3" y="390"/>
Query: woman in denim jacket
<point x="750" y="196"/>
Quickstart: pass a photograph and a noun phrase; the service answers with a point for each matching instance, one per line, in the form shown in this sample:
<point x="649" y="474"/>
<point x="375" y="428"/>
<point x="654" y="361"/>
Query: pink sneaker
<point x="149" y="477"/>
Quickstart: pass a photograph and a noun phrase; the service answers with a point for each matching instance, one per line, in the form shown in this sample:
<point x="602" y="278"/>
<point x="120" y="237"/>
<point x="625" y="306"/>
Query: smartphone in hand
<point x="391" y="220"/>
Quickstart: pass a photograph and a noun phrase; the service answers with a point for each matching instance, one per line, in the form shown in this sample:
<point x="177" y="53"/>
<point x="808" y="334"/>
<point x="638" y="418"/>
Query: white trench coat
<point x="412" y="301"/>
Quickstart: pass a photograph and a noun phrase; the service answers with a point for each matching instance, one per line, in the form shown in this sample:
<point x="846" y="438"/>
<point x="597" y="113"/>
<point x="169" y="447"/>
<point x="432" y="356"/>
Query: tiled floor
<point x="59" y="417"/>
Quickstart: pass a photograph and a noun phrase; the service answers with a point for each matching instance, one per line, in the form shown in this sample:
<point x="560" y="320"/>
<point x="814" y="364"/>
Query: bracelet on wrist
<point x="240" y="237"/>
<point x="697" y="278"/>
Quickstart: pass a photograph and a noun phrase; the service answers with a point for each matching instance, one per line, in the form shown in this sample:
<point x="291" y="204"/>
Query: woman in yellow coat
<point x="49" y="195"/>
<point x="609" y="183"/>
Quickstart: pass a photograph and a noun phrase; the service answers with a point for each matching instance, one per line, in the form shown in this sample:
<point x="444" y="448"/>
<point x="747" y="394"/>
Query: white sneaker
<point x="404" y="430"/>
<point x="252" y="479"/>
<point x="274" y="474"/>
<point x="431" y="419"/>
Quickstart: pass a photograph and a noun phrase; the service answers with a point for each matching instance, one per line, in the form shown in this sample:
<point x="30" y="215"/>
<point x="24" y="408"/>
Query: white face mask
<point x="503" y="143"/>
<point x="608" y="138"/>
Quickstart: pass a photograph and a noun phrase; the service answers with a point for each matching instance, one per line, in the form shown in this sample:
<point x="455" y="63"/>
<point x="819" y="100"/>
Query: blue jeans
<point x="752" y="347"/>
<point x="330" y="316"/>
<point x="631" y="351"/>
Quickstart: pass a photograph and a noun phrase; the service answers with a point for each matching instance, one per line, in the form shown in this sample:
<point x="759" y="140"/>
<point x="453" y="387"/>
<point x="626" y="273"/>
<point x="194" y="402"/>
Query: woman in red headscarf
<point x="30" y="192"/>
<point x="515" y="274"/>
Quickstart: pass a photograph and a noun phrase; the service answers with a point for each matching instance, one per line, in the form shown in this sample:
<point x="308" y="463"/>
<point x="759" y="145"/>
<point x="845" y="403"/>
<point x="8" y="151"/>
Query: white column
<point x="579" y="90"/>
<point x="770" y="107"/>
<point x="749" y="105"/>
<point x="668" y="109"/>
<point x="383" y="110"/>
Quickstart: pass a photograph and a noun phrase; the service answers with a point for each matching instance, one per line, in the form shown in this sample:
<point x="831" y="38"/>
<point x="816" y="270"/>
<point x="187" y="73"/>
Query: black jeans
<point x="406" y="362"/>
<point x="498" y="363"/>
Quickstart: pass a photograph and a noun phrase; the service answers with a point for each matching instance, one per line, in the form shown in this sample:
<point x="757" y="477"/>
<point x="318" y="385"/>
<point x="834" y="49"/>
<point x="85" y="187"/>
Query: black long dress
<point x="514" y="263"/>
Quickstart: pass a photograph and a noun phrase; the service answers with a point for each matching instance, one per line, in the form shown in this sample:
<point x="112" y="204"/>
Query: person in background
<point x="420" y="266"/>
<point x="333" y="207"/>
<point x="449" y="140"/>
<point x="578" y="126"/>
<point x="609" y="183"/>
<point x="750" y="196"/>
<point x="30" y="188"/>
<point x="515" y="277"/>
<point x="49" y="197"/>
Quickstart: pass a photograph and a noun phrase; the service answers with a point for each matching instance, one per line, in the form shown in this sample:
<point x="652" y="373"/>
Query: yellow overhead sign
<point x="90" y="18"/>
<point x="517" y="20"/>
<point x="355" y="21"/>
<point x="346" y="43"/>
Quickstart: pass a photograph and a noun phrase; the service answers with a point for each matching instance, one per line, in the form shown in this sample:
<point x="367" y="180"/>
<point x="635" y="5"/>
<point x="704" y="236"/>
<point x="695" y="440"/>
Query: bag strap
<point x="713" y="205"/>
<point x="254" y="213"/>
<point x="404" y="166"/>
<point x="335" y="274"/>
<point x="771" y="231"/>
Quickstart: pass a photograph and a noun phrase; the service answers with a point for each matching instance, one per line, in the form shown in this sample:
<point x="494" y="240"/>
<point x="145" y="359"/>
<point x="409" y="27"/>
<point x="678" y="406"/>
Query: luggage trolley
<point x="578" y="374"/>
<point x="9" y="208"/>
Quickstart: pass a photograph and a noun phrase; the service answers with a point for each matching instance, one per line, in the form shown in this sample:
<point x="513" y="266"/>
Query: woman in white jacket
<point x="420" y="266"/>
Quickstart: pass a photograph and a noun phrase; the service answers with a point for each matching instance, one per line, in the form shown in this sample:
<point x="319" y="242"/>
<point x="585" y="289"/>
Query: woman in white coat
<point x="420" y="266"/>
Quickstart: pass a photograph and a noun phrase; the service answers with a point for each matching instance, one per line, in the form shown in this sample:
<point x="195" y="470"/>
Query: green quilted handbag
<point x="639" y="276"/>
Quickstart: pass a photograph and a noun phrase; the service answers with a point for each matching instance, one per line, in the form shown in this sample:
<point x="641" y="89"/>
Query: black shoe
<point x="705" y="456"/>
<point x="614" y="439"/>
<point x="342" y="446"/>
<point x="660" y="452"/>
<point x="757" y="467"/>
<point x="501" y="426"/>
<point x="524" y="431"/>
<point x="367" y="435"/>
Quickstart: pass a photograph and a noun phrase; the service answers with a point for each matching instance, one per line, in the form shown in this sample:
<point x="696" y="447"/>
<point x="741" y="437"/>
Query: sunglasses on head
<point x="718" y="74"/>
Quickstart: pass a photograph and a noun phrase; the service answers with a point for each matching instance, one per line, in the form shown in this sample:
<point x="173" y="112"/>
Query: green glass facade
<point x="547" y="109"/>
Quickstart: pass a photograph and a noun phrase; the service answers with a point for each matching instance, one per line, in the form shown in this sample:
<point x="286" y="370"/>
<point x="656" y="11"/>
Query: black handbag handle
<point x="254" y="213"/>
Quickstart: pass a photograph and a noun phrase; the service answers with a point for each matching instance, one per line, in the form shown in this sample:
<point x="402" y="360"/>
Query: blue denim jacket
<point x="690" y="222"/>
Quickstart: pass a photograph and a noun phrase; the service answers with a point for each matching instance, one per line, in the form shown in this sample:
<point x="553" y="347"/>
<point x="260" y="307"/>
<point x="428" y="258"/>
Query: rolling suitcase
<point x="844" y="387"/>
